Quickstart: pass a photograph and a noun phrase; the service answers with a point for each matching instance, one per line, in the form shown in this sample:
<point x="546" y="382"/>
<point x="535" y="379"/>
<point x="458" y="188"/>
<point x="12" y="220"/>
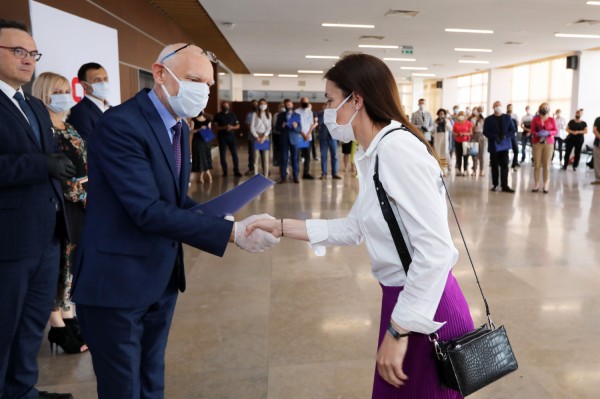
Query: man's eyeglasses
<point x="209" y="54"/>
<point x="21" y="53"/>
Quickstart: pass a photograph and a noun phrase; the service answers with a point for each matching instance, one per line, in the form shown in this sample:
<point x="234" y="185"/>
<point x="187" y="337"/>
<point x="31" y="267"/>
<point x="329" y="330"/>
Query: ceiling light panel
<point x="473" y="50"/>
<point x="473" y="62"/>
<point x="414" y="68"/>
<point x="400" y="59"/>
<point x="323" y="57"/>
<point x="377" y="46"/>
<point x="331" y="25"/>
<point x="577" y="36"/>
<point x="308" y="71"/>
<point x="482" y="31"/>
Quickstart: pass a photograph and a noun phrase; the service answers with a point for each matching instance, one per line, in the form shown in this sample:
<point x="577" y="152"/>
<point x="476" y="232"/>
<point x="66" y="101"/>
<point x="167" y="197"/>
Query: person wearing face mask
<point x="515" y="142"/>
<point x="260" y="127"/>
<point x="559" y="139"/>
<point x="462" y="132"/>
<point x="576" y="128"/>
<point x="443" y="129"/>
<point x="543" y="130"/>
<point x="55" y="92"/>
<point x="251" y="138"/>
<point x="308" y="124"/>
<point x="363" y="103"/>
<point x="291" y="133"/>
<point x="130" y="263"/>
<point x="85" y="115"/>
<point x="423" y="120"/>
<point x="227" y="123"/>
<point x="499" y="130"/>
<point x="526" y="135"/>
<point x="477" y="121"/>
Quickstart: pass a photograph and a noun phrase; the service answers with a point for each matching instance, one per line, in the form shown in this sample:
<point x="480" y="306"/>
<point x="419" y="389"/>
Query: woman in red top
<point x="462" y="132"/>
<point x="543" y="130"/>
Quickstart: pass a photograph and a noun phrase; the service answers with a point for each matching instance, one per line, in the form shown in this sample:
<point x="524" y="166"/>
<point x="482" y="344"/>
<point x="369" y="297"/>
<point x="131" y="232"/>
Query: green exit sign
<point x="407" y="50"/>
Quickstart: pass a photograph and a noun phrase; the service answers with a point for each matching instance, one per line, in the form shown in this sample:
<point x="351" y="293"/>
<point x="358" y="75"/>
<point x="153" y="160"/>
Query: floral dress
<point x="75" y="194"/>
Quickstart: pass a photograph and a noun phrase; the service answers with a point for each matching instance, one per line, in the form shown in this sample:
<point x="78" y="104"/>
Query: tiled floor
<point x="287" y="324"/>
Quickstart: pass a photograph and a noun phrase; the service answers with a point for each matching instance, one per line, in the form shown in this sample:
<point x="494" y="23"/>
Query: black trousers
<point x="305" y="153"/>
<point x="499" y="164"/>
<point x="250" y="152"/>
<point x="570" y="143"/>
<point x="515" y="149"/>
<point x="227" y="140"/>
<point x="460" y="157"/>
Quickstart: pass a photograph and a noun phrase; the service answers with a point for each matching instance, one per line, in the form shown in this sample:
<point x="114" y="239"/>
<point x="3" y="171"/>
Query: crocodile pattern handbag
<point x="476" y="359"/>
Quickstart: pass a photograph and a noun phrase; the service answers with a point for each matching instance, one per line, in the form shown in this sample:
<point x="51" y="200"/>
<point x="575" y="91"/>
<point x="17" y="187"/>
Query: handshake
<point x="249" y="235"/>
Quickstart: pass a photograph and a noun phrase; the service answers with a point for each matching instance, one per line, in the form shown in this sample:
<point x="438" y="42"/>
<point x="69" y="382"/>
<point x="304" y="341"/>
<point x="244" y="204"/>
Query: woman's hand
<point x="390" y="358"/>
<point x="272" y="226"/>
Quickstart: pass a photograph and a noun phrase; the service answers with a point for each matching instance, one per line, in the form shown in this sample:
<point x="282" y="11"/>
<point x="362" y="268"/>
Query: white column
<point x="499" y="88"/>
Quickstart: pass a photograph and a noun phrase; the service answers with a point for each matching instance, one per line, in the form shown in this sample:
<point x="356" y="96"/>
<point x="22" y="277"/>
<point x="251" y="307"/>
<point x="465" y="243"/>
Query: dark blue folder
<point x="262" y="146"/>
<point x="206" y="134"/>
<point x="235" y="199"/>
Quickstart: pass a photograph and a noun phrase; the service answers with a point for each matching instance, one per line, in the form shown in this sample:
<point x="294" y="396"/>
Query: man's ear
<point x="158" y="73"/>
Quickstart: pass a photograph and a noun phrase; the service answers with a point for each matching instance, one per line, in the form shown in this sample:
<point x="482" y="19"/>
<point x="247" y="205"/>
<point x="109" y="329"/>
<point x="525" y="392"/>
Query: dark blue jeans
<point x="286" y="149"/>
<point x="330" y="145"/>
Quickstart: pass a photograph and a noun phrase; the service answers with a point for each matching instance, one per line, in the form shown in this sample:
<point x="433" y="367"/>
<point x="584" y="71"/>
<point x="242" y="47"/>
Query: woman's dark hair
<point x="370" y="77"/>
<point x="441" y="110"/>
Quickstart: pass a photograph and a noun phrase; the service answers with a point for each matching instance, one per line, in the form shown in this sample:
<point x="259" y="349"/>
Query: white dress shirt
<point x="10" y="93"/>
<point x="260" y="125"/>
<point x="102" y="105"/>
<point x="411" y="177"/>
<point x="307" y="119"/>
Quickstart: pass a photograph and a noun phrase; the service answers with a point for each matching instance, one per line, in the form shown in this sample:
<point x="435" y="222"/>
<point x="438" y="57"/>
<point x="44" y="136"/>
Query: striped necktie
<point x="177" y="146"/>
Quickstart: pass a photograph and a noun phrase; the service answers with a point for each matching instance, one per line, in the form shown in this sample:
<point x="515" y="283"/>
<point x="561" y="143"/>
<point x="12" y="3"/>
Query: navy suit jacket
<point x="84" y="117"/>
<point x="137" y="211"/>
<point x="28" y="195"/>
<point x="289" y="135"/>
<point x="499" y="135"/>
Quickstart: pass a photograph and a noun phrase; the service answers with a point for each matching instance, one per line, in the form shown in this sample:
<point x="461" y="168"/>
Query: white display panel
<point x="68" y="41"/>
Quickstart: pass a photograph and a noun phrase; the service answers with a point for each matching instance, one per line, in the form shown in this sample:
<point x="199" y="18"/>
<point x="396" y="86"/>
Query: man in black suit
<point x="85" y="115"/>
<point x="31" y="217"/>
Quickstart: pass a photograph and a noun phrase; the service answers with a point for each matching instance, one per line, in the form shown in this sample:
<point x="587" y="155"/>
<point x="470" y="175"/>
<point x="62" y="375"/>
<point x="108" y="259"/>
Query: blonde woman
<point x="543" y="130"/>
<point x="260" y="127"/>
<point x="55" y="92"/>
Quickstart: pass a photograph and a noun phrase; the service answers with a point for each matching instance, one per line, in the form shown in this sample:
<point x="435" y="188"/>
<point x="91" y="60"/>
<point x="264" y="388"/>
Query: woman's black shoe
<point x="64" y="338"/>
<point x="73" y="325"/>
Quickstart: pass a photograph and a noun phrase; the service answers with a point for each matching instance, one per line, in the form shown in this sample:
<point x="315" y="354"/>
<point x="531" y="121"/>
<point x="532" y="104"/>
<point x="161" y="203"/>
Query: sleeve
<point x="22" y="169"/>
<point x="252" y="123"/>
<point x="553" y="130"/>
<point x="81" y="123"/>
<point x="431" y="124"/>
<point x="413" y="118"/>
<point x="120" y="152"/>
<point x="418" y="195"/>
<point x="336" y="232"/>
<point x="570" y="125"/>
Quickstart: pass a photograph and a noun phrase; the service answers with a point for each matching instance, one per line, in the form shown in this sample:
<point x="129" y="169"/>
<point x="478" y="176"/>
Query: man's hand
<point x="60" y="166"/>
<point x="258" y="240"/>
<point x="294" y="124"/>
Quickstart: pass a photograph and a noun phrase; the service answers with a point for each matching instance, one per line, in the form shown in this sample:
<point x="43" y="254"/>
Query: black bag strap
<point x="397" y="236"/>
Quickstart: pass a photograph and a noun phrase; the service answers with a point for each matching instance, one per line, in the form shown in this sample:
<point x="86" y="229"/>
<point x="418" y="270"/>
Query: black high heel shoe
<point x="64" y="338"/>
<point x="73" y="325"/>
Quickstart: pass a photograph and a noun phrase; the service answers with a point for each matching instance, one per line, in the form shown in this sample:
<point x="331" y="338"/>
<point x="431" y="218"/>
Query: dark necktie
<point x="33" y="122"/>
<point x="177" y="146"/>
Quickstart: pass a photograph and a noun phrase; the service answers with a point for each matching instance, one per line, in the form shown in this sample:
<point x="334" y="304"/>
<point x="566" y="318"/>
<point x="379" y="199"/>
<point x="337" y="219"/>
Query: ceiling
<point x="192" y="17"/>
<point x="273" y="36"/>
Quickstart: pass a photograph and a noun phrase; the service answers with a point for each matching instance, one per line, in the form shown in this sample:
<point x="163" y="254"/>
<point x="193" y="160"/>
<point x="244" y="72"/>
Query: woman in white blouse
<point x="260" y="127"/>
<point x="363" y="103"/>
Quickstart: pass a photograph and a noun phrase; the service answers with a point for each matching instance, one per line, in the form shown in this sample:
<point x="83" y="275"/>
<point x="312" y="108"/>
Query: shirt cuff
<point x="317" y="231"/>
<point x="410" y="320"/>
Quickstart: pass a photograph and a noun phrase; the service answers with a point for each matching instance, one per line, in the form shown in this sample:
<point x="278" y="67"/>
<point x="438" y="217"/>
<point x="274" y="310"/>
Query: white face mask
<point x="262" y="107"/>
<point x="475" y="113"/>
<point x="343" y="133"/>
<point x="498" y="110"/>
<point x="60" y="103"/>
<point x="421" y="107"/>
<point x="191" y="98"/>
<point x="101" y="90"/>
<point x="461" y="118"/>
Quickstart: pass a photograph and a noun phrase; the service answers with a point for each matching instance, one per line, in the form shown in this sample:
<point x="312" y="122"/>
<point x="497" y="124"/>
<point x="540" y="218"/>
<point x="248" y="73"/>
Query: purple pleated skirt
<point x="419" y="362"/>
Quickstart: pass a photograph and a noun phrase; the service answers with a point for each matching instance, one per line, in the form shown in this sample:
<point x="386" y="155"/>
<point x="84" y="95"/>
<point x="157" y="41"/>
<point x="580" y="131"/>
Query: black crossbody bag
<point x="476" y="359"/>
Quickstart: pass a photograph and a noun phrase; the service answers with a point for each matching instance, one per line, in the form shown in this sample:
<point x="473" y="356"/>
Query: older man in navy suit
<point x="31" y="217"/>
<point x="84" y="116"/>
<point x="130" y="264"/>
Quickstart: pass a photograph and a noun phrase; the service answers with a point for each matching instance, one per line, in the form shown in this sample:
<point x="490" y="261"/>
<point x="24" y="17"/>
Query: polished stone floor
<point x="286" y="324"/>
